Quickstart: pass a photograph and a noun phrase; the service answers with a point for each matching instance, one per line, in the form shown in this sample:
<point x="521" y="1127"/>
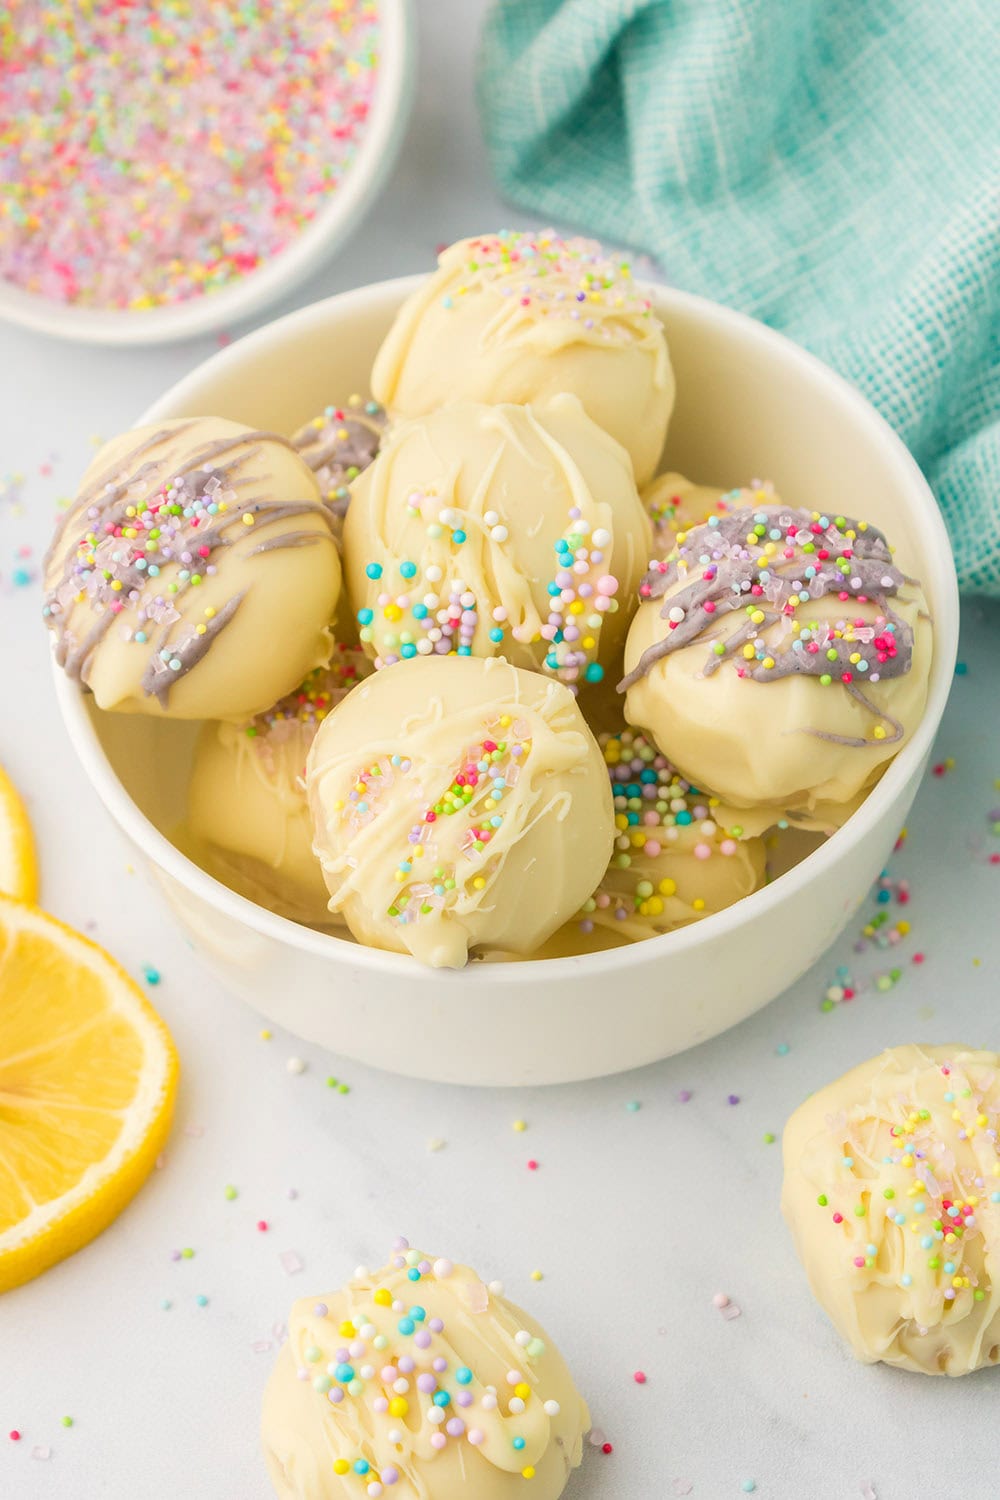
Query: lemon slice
<point x="18" y="867"/>
<point x="88" y="1075"/>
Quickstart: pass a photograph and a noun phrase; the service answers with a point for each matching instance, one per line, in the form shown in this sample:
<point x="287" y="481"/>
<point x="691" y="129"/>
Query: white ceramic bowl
<point x="307" y="252"/>
<point x="749" y="404"/>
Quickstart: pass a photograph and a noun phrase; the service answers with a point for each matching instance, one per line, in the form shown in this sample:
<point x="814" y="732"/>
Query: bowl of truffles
<point x="511" y="674"/>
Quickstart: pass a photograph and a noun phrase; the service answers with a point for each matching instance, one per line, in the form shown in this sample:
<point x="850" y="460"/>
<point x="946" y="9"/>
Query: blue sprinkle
<point x="374" y="570"/>
<point x="151" y="975"/>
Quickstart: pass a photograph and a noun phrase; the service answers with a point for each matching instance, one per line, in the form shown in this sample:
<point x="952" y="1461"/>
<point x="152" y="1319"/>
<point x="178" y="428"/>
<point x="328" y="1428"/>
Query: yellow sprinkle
<point x="520" y="1124"/>
<point x="528" y="1473"/>
<point x="247" y="519"/>
<point x="698" y="904"/>
<point x="523" y="1390"/>
<point x="398" y="1406"/>
<point x="383" y="1297"/>
<point x="340" y="1466"/>
<point x="668" y="887"/>
<point x="265" y="1035"/>
<point x="347" y="1329"/>
<point x="479" y="883"/>
<point x="536" y="1276"/>
<point x="878" y="732"/>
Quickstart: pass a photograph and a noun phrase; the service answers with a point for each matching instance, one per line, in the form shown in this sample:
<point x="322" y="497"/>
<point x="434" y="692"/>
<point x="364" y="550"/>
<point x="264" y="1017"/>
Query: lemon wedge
<point x="88" y="1075"/>
<point x="18" y="866"/>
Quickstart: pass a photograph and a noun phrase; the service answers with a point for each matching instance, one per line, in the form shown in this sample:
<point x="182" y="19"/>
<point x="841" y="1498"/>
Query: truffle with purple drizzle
<point x="779" y="657"/>
<point x="338" y="445"/>
<point x="196" y="573"/>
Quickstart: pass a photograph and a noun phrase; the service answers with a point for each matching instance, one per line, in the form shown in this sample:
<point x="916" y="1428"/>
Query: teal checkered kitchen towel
<point x="830" y="166"/>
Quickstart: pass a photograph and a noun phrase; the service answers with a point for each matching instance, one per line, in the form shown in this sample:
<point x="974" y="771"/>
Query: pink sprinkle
<point x="720" y="1300"/>
<point x="639" y="1377"/>
<point x="532" y="1165"/>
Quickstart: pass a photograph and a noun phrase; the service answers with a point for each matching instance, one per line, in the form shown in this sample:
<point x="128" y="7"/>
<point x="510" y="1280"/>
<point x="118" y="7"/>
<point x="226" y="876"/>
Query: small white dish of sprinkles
<point x="168" y="169"/>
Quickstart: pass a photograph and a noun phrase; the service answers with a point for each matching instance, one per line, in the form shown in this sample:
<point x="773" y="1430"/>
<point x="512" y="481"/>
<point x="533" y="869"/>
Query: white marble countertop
<point x="635" y="1216"/>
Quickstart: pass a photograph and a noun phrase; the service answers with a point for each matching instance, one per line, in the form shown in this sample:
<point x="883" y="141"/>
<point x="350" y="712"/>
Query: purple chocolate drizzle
<point x="120" y="572"/>
<point x="724" y="566"/>
<point x="341" y="449"/>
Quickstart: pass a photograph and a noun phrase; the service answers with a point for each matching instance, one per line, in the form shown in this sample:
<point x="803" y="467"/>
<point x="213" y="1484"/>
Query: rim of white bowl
<point x="192" y="877"/>
<point x="307" y="252"/>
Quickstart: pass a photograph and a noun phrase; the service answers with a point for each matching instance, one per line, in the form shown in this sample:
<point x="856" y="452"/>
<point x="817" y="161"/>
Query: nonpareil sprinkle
<point x="150" y="153"/>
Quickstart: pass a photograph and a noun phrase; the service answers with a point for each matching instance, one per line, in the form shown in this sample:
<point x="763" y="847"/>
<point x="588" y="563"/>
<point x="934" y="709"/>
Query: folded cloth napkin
<point x="830" y="166"/>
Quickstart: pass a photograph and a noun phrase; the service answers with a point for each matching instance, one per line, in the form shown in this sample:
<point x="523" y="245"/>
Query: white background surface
<point x="635" y="1218"/>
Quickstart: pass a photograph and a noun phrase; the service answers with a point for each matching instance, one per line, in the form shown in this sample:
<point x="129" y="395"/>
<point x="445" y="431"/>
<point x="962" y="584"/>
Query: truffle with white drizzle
<point x="505" y="530"/>
<point x="248" y="818"/>
<point x="523" y="317"/>
<point x="195" y="574"/>
<point x="892" y="1194"/>
<point x="419" y="1381"/>
<point x="459" y="805"/>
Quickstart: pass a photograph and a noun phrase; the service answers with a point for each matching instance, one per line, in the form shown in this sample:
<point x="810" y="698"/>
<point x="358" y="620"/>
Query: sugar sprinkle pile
<point x="150" y="153"/>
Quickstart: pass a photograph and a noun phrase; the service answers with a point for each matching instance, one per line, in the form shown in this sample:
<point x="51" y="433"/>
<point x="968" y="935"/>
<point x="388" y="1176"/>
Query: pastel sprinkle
<point x="127" y="191"/>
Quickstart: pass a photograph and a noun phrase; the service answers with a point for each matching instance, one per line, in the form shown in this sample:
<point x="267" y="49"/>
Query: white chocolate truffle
<point x="338" y="445"/>
<point x="518" y="317"/>
<point x="422" y="1387"/>
<point x="498" y="530"/>
<point x="892" y="1194"/>
<point x="195" y="574"/>
<point x="458" y="805"/>
<point x="679" y="855"/>
<point x="676" y="504"/>
<point x="781" y="660"/>
<point x="247" y="807"/>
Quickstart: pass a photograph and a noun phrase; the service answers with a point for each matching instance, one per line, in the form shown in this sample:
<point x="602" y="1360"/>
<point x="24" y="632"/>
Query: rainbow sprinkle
<point x="400" y="1391"/>
<point x="551" y="277"/>
<point x="922" y="1189"/>
<point x="434" y="612"/>
<point x="153" y="152"/>
<point x="487" y="772"/>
